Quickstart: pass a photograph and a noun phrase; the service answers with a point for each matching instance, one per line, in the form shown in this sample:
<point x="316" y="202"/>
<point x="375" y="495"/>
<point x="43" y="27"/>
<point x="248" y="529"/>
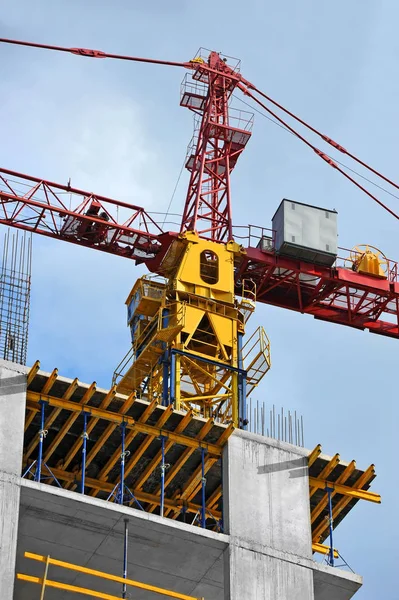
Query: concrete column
<point x="12" y="419"/>
<point x="267" y="516"/>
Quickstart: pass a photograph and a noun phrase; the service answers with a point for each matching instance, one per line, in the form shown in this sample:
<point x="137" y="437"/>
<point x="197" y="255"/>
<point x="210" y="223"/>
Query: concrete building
<point x="264" y="552"/>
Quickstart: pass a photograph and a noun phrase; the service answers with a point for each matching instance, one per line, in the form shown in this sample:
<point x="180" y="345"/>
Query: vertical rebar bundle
<point x="283" y="426"/>
<point x="15" y="282"/>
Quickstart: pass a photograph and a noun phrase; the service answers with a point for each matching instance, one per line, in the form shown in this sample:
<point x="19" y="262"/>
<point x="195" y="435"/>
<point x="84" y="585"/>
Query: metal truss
<point x="336" y="294"/>
<point x="76" y="216"/>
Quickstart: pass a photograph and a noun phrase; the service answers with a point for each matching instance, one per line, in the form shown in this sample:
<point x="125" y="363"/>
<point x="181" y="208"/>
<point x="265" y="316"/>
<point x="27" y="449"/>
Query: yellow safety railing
<point x="45" y="582"/>
<point x="256" y="357"/>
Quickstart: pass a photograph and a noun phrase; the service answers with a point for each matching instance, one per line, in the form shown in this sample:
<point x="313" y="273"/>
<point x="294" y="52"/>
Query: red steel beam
<point x="334" y="294"/>
<point x="45" y="207"/>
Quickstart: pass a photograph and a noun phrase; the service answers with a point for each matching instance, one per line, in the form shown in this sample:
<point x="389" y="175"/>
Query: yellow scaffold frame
<point x="44" y="582"/>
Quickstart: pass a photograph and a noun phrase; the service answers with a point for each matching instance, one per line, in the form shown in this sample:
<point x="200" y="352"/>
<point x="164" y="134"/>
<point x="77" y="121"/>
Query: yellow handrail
<point x="79" y="590"/>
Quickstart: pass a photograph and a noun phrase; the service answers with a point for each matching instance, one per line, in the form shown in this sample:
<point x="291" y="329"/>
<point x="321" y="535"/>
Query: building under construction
<point x="172" y="483"/>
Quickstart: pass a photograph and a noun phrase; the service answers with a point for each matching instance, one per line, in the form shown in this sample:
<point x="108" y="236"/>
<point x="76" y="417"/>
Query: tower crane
<point x="188" y="316"/>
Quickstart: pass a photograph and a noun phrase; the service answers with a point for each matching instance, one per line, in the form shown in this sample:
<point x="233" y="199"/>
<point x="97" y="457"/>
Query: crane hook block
<point x="368" y="260"/>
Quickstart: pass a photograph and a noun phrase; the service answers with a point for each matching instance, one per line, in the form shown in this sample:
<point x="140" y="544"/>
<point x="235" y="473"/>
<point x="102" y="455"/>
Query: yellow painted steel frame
<point x="44" y="582"/>
<point x="322" y="549"/>
<point x="337" y="485"/>
<point x="35" y="397"/>
<point x="192" y="327"/>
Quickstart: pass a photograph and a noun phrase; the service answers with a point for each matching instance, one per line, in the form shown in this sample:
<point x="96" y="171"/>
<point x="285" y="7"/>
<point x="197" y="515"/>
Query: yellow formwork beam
<point x="147" y="442"/>
<point x="29" y="418"/>
<point x="90" y="426"/>
<point x="158" y="457"/>
<point x="66" y="587"/>
<point x="99" y="574"/>
<point x="345" y="490"/>
<point x="100" y="595"/>
<point x="52" y="417"/>
<point x="361" y="481"/>
<point x="185" y="456"/>
<point x="33" y="372"/>
<point x="323" y="503"/>
<point x="130" y="423"/>
<point x="215" y="497"/>
<point x="314" y="455"/>
<point x="109" y="429"/>
<point x="322" y="549"/>
<point x="50" y="381"/>
<point x="70" y="421"/>
<point x="129" y="438"/>
<point x="328" y="469"/>
<point x="194" y="483"/>
<point x="141" y="496"/>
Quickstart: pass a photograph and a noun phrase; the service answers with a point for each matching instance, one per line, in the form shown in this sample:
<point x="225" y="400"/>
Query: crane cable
<point x="324" y="137"/>
<point x="173" y="193"/>
<point x="319" y="152"/>
<point x="90" y="53"/>
<point x="345" y="166"/>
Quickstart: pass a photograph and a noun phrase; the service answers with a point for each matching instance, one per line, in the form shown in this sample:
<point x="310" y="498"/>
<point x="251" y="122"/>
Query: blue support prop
<point x="203" y="480"/>
<point x="330" y="523"/>
<point x="121" y="490"/>
<point x="123" y="457"/>
<point x="85" y="437"/>
<point x="39" y="463"/>
<point x="42" y="435"/>
<point x="163" y="468"/>
<point x="184" y="513"/>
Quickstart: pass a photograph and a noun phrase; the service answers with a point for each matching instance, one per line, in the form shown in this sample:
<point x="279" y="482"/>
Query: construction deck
<point x="185" y="439"/>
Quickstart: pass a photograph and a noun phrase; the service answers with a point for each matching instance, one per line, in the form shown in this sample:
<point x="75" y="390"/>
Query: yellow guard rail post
<point x="79" y="590"/>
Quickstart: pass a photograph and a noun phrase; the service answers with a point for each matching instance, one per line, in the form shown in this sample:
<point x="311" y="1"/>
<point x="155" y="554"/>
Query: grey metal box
<point x="306" y="232"/>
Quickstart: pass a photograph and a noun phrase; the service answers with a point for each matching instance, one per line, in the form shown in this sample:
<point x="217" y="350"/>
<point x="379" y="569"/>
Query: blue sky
<point x="117" y="129"/>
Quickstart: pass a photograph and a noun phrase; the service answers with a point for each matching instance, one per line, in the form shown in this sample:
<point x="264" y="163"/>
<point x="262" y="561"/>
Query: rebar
<point x="284" y="426"/>
<point x="15" y="283"/>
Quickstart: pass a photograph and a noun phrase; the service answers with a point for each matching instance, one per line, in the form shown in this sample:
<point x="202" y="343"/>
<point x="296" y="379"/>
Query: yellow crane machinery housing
<point x="188" y="331"/>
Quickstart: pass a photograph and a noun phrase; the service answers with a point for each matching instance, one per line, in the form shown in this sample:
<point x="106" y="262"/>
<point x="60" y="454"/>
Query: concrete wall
<point x="12" y="419"/>
<point x="267" y="516"/>
<point x="90" y="532"/>
<point x="266" y="489"/>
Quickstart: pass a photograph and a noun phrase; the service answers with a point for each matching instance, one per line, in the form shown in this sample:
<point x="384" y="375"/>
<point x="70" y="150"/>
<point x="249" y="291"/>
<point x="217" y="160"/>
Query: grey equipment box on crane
<point x="305" y="232"/>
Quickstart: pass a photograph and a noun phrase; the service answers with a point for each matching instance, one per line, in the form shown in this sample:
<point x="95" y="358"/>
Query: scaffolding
<point x="15" y="282"/>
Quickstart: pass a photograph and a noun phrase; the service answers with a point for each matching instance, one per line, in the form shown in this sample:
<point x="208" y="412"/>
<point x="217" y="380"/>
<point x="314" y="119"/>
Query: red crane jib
<point x="334" y="294"/>
<point x="45" y="207"/>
